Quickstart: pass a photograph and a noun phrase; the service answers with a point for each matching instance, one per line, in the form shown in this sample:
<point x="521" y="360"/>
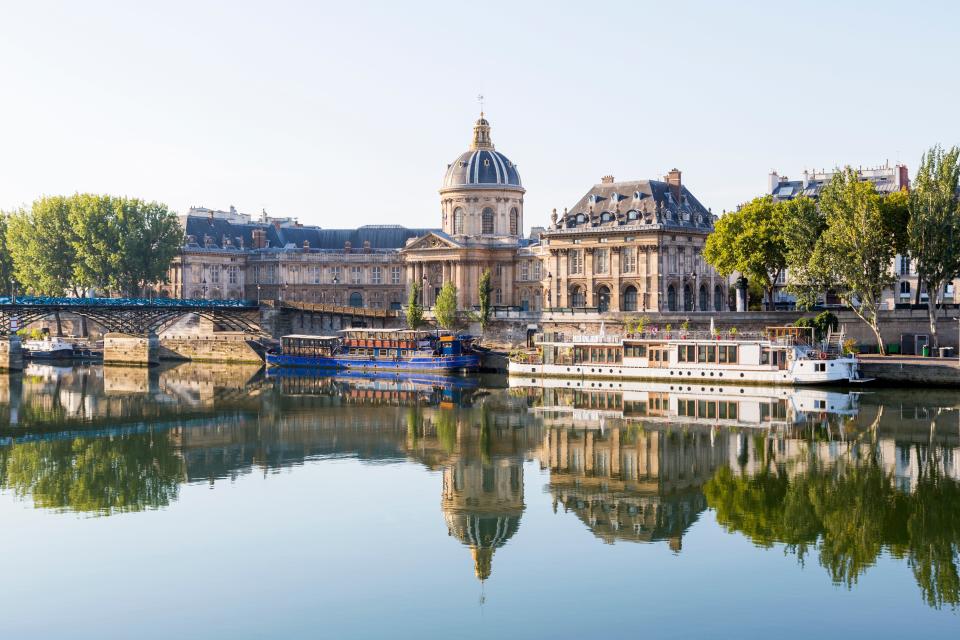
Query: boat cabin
<point x="309" y="346"/>
<point x="385" y="342"/>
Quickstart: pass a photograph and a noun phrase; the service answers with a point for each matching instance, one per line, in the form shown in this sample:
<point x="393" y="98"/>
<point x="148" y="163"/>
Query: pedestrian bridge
<point x="139" y="316"/>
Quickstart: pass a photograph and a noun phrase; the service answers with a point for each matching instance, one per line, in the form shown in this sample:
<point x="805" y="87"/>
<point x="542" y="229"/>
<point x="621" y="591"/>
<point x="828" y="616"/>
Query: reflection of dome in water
<point x="483" y="534"/>
<point x="482" y="505"/>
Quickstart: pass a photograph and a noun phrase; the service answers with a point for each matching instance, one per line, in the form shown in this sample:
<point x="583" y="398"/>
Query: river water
<point x="206" y="501"/>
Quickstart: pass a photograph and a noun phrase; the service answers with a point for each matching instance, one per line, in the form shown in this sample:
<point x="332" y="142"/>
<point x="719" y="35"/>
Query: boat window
<point x="701" y="353"/>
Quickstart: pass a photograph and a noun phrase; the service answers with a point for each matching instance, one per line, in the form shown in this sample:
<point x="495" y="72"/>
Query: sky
<point x="347" y="113"/>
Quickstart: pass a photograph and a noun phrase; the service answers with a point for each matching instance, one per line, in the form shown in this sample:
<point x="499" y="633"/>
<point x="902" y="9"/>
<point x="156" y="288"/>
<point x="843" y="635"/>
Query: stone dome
<point x="482" y="165"/>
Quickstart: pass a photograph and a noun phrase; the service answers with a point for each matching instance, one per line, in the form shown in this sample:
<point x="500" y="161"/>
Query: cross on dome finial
<point x="480" y="100"/>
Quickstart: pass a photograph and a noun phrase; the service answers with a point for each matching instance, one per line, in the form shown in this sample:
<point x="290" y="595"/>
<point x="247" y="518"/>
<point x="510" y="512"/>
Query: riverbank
<point x="911" y="370"/>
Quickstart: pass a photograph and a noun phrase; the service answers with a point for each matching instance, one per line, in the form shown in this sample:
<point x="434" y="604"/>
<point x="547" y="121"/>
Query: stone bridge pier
<point x="11" y="354"/>
<point x="131" y="349"/>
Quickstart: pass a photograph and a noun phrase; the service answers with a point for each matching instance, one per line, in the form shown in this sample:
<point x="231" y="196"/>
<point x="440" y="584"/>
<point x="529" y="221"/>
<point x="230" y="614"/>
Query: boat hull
<point x="841" y="371"/>
<point x="461" y="363"/>
<point x="54" y="354"/>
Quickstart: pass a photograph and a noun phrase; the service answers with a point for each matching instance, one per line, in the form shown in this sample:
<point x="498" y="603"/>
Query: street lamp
<point x="336" y="281"/>
<point x="258" y="294"/>
<point x="204" y="288"/>
<point x="549" y="290"/>
<point x="423" y="292"/>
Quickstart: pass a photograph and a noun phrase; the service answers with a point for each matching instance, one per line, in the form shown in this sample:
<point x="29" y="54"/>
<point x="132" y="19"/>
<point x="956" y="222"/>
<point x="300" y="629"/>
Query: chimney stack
<point x="606" y="180"/>
<point x="306" y="246"/>
<point x="673" y="179"/>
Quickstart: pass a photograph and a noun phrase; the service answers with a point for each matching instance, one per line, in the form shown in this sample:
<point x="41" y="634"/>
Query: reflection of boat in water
<point x="592" y="402"/>
<point x="375" y="387"/>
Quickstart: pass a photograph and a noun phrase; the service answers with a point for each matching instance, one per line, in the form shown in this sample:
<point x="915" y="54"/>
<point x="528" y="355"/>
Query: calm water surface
<point x="222" y="502"/>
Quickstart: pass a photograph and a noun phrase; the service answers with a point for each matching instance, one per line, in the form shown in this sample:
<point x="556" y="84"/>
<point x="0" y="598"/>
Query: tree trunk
<point x="932" y="316"/>
<point x="59" y="324"/>
<point x="876" y="332"/>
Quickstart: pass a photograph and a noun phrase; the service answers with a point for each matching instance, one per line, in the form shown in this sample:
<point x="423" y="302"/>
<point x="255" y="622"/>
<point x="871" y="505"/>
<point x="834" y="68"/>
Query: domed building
<point x="481" y="205"/>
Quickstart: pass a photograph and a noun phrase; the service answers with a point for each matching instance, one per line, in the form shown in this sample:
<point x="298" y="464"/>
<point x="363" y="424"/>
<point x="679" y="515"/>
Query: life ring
<point x="823" y="356"/>
<point x="790" y="356"/>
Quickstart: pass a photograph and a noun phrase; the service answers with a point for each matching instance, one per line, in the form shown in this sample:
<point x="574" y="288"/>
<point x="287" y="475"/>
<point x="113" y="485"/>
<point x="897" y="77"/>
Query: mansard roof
<point x="636" y="202"/>
<point x="225" y="234"/>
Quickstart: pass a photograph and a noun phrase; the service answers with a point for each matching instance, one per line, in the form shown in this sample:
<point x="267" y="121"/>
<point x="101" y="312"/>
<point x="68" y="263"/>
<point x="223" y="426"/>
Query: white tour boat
<point x="49" y="348"/>
<point x="781" y="356"/>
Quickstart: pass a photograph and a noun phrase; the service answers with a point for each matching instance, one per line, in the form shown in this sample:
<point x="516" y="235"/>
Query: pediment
<point x="432" y="241"/>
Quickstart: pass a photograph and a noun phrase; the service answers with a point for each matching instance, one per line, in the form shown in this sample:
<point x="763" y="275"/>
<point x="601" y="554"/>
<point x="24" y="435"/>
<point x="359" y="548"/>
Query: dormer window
<point x="581" y="218"/>
<point x="606" y="216"/>
<point x="486" y="163"/>
<point x="632" y="215"/>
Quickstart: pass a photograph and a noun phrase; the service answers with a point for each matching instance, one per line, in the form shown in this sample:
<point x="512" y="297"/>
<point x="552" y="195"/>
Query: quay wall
<point x="218" y="347"/>
<point x="126" y="349"/>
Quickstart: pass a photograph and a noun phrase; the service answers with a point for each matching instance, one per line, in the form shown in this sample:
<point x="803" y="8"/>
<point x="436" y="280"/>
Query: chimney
<point x="673" y="179"/>
<point x="259" y="237"/>
<point x="239" y="240"/>
<point x="903" y="177"/>
<point x="773" y="181"/>
<point x="306" y="245"/>
<point x="606" y="180"/>
<point x="806" y="178"/>
<point x="366" y="246"/>
<point x="347" y="246"/>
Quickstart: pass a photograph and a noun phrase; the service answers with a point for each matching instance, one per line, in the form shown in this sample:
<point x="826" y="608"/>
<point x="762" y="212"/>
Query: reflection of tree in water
<point x="849" y="514"/>
<point x="94" y="475"/>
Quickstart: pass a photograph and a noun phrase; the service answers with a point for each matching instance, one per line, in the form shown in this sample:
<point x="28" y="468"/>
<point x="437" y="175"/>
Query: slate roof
<point x="216" y="230"/>
<point x="636" y="202"/>
<point x="482" y="167"/>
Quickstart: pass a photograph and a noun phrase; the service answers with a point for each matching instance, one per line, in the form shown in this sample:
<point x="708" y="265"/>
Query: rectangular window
<point x="711" y="353"/>
<point x="215" y="273"/>
<point x="233" y="274"/>
<point x="600" y="261"/>
<point x="336" y="275"/>
<point x="701" y="353"/>
<point x="629" y="261"/>
<point x="394" y="275"/>
<point x="536" y="269"/>
<point x="356" y="275"/>
<point x="376" y="275"/>
<point x="575" y="262"/>
<point x="524" y="270"/>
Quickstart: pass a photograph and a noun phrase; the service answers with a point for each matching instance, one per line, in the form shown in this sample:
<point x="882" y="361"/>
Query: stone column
<point x="591" y="300"/>
<point x="615" y="278"/>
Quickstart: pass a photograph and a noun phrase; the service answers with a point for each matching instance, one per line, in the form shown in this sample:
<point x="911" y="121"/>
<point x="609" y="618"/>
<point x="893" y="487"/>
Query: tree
<point x="483" y="289"/>
<point x="751" y="241"/>
<point x="933" y="229"/>
<point x="7" y="278"/>
<point x="414" y="309"/>
<point x="853" y="254"/>
<point x="149" y="237"/>
<point x="41" y="244"/>
<point x="445" y="308"/>
<point x="96" y="243"/>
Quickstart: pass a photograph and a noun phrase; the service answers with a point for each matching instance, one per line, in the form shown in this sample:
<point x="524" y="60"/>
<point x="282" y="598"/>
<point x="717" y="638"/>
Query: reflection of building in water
<point x="481" y="453"/>
<point x="627" y="483"/>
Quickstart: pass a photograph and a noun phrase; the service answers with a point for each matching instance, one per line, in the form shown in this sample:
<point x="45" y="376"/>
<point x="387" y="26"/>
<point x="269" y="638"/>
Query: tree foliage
<point x="445" y="308"/>
<point x="751" y="241"/>
<point x="852" y="255"/>
<point x="933" y="230"/>
<point x="484" y="289"/>
<point x="7" y="278"/>
<point x="414" y="308"/>
<point x="72" y="243"/>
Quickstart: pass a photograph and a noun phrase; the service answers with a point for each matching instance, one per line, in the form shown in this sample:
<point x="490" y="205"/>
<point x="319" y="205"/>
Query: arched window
<point x="630" y="298"/>
<point x="487" y="221"/>
<point x="458" y="221"/>
<point x="687" y="298"/>
<point x="672" y="298"/>
<point x="606" y="216"/>
<point x="498" y="296"/>
<point x="603" y="298"/>
<point x="356" y="299"/>
<point x="703" y="303"/>
<point x="633" y="214"/>
<point x="514" y="222"/>
<point x="577" y="297"/>
<point x="581" y="218"/>
<point x="718" y="298"/>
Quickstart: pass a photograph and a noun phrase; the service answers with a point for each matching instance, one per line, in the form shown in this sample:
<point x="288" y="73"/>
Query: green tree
<point x="853" y="254"/>
<point x="149" y="236"/>
<point x="96" y="242"/>
<point x="7" y="278"/>
<point x="483" y="290"/>
<point x="445" y="308"/>
<point x="414" y="308"/>
<point x="751" y="241"/>
<point x="933" y="229"/>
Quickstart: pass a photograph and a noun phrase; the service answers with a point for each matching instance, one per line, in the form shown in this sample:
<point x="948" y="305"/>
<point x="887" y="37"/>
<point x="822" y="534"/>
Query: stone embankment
<point x="911" y="371"/>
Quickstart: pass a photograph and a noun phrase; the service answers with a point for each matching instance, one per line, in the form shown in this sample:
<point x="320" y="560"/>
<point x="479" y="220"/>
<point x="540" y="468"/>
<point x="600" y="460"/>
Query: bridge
<point x="136" y="316"/>
<point x="344" y="316"/>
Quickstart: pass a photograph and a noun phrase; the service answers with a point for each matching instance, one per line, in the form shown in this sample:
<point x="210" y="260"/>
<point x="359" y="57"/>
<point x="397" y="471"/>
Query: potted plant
<point x="668" y="328"/>
<point x="733" y="333"/>
<point x="684" y="327"/>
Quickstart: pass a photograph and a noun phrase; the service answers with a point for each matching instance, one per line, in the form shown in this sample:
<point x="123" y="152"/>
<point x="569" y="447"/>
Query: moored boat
<point x="378" y="350"/>
<point x="780" y="356"/>
<point x="48" y="348"/>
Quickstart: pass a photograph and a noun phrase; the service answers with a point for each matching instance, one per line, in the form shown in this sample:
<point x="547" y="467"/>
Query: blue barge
<point x="378" y="350"/>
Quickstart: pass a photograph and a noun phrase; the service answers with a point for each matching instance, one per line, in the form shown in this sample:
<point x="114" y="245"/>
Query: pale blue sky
<point x="347" y="113"/>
